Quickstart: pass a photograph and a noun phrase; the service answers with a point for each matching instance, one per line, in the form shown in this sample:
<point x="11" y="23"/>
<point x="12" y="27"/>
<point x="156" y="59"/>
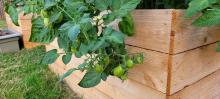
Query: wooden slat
<point x="191" y="66"/>
<point x="72" y="81"/>
<point x="153" y="73"/>
<point x="188" y="36"/>
<point x="207" y="88"/>
<point x="152" y="29"/>
<point x="117" y="89"/>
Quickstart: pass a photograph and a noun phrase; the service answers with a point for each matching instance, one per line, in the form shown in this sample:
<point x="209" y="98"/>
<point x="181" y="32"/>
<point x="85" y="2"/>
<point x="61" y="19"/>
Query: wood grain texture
<point x="11" y="25"/>
<point x="188" y="37"/>
<point x="152" y="73"/>
<point x="206" y="88"/>
<point x="152" y="29"/>
<point x="191" y="66"/>
<point x="72" y="81"/>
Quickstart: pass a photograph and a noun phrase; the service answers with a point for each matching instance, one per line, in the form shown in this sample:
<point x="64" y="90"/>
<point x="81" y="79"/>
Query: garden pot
<point x="9" y="41"/>
<point x="181" y="61"/>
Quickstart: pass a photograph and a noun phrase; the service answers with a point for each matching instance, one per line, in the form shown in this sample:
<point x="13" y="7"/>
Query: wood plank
<point x="207" y="88"/>
<point x="117" y="89"/>
<point x="72" y="81"/>
<point x="191" y="66"/>
<point x="152" y="73"/>
<point x="188" y="36"/>
<point x="152" y="29"/>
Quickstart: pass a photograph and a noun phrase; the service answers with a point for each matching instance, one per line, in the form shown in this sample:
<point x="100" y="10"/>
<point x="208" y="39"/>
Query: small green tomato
<point x="118" y="71"/>
<point x="106" y="60"/>
<point x="139" y="60"/>
<point x="129" y="63"/>
<point x="99" y="68"/>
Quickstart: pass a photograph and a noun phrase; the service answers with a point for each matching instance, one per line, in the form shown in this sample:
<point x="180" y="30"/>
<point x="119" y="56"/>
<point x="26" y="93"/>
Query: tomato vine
<point x="82" y="28"/>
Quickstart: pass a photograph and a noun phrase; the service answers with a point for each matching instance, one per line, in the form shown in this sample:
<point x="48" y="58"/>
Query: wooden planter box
<point x="24" y="28"/>
<point x="181" y="61"/>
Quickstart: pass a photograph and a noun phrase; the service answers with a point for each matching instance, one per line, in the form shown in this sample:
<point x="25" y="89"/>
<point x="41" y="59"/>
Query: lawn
<point x="23" y="77"/>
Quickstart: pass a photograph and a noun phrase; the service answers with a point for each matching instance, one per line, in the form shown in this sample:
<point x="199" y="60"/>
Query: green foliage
<point x="209" y="13"/>
<point x="82" y="28"/>
<point x="50" y="57"/>
<point x="210" y="10"/>
<point x="211" y="17"/>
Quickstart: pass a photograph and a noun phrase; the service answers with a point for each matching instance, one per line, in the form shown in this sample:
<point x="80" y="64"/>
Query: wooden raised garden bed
<point x="181" y="61"/>
<point x="24" y="28"/>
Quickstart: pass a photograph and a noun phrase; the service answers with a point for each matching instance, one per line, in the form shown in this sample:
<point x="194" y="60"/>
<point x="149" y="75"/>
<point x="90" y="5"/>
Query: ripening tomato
<point x="46" y="21"/>
<point x="118" y="71"/>
<point x="99" y="68"/>
<point x="129" y="63"/>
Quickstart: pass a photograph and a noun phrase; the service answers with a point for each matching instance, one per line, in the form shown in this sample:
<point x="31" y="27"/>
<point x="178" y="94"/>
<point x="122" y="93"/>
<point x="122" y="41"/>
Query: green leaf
<point x="50" y="57"/>
<point x="196" y="6"/>
<point x="62" y="42"/>
<point x="101" y="4"/>
<point x="126" y="8"/>
<point x="12" y="11"/>
<point x="116" y="4"/>
<point x="116" y="37"/>
<point x="99" y="44"/>
<point x="55" y="17"/>
<point x="90" y="79"/>
<point x="72" y="29"/>
<point x="49" y="4"/>
<point x="126" y="26"/>
<point x="68" y="73"/>
<point x="66" y="58"/>
<point x="209" y="18"/>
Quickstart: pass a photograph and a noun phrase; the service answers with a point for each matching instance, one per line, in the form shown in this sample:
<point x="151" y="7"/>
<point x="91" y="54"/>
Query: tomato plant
<point x="82" y="29"/>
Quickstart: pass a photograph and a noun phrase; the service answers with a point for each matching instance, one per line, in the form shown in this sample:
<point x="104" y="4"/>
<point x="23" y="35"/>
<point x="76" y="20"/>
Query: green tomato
<point x="106" y="60"/>
<point x="118" y="71"/>
<point x="99" y="68"/>
<point x="124" y="77"/>
<point x="46" y="21"/>
<point x="129" y="63"/>
<point x="139" y="60"/>
<point x="44" y="14"/>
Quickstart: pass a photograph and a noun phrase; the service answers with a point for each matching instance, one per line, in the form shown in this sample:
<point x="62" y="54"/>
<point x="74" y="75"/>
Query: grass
<point x="3" y="23"/>
<point x="23" y="77"/>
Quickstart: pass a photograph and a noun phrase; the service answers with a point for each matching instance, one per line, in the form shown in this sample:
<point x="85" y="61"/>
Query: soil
<point x="2" y="33"/>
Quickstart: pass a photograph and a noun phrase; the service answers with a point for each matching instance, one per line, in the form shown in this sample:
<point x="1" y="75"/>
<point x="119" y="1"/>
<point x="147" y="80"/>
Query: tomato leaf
<point x="66" y="58"/>
<point x="68" y="73"/>
<point x="12" y="11"/>
<point x="73" y="32"/>
<point x="50" y="57"/>
<point x="90" y="79"/>
<point x="101" y="4"/>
